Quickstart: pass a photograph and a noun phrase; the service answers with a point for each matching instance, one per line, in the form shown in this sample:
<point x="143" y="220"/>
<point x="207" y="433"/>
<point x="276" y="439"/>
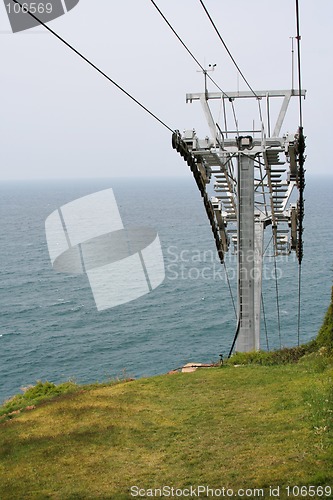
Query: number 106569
<point x="308" y="491"/>
<point x="33" y="7"/>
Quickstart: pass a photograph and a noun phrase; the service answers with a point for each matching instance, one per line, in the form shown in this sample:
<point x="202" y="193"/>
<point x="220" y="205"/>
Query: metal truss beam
<point x="249" y="200"/>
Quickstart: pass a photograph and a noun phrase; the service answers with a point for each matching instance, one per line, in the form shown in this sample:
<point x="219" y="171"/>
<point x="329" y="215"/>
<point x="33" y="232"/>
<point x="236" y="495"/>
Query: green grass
<point x="31" y="396"/>
<point x="42" y="392"/>
<point x="278" y="357"/>
<point x="325" y="335"/>
<point x="322" y="345"/>
<point x="251" y="426"/>
<point x="248" y="426"/>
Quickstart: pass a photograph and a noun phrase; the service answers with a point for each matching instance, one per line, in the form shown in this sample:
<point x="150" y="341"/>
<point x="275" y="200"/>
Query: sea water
<point x="51" y="330"/>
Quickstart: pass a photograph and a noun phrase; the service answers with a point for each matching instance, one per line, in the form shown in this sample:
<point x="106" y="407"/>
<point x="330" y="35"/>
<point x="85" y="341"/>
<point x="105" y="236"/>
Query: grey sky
<point x="59" y="118"/>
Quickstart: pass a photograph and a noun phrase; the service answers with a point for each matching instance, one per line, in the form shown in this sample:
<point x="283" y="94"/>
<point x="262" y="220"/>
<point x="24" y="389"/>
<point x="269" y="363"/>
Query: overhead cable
<point x="226" y="48"/>
<point x="230" y="291"/>
<point x="301" y="149"/>
<point x="277" y="302"/>
<point x="298" y="37"/>
<point x="25" y="10"/>
<point x="235" y="338"/>
<point x="265" y="323"/>
<point x="188" y="50"/>
<point x="299" y="304"/>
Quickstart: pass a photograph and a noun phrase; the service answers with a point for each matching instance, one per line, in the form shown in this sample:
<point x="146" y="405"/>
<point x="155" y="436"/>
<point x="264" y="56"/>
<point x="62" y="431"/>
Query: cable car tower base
<point x="254" y="174"/>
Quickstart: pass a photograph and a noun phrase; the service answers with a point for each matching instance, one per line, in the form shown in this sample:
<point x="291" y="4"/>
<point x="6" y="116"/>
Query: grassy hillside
<point x="248" y="426"/>
<point x="325" y="335"/>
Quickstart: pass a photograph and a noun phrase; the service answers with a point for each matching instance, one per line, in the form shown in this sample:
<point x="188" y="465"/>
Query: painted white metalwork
<point x="250" y="197"/>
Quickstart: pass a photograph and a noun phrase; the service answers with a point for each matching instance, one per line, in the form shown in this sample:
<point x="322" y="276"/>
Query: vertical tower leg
<point x="257" y="267"/>
<point x="246" y="340"/>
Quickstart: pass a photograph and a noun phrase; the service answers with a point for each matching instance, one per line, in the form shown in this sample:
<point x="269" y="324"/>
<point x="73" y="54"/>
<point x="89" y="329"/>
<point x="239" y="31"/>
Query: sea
<point x="50" y="328"/>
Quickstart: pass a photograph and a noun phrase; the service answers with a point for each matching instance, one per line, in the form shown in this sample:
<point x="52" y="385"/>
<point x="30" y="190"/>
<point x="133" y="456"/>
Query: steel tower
<point x="249" y="196"/>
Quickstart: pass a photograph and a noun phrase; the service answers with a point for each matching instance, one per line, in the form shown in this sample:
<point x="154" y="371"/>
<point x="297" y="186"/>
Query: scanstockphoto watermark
<point x="194" y="264"/>
<point x="205" y="491"/>
<point x="24" y="15"/>
<point x="196" y="491"/>
<point x="87" y="236"/>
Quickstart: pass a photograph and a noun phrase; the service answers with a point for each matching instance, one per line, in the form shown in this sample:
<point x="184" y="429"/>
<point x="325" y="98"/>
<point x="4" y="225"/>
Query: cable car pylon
<point x="254" y="175"/>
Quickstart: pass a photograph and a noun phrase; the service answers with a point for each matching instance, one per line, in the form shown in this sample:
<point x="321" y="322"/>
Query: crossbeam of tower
<point x="249" y="196"/>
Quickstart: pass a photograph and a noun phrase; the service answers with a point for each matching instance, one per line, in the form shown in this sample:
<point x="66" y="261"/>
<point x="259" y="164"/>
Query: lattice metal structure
<point x="254" y="174"/>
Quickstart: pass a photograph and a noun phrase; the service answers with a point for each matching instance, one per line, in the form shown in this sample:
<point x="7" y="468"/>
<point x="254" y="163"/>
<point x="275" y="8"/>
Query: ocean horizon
<point x="51" y="329"/>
